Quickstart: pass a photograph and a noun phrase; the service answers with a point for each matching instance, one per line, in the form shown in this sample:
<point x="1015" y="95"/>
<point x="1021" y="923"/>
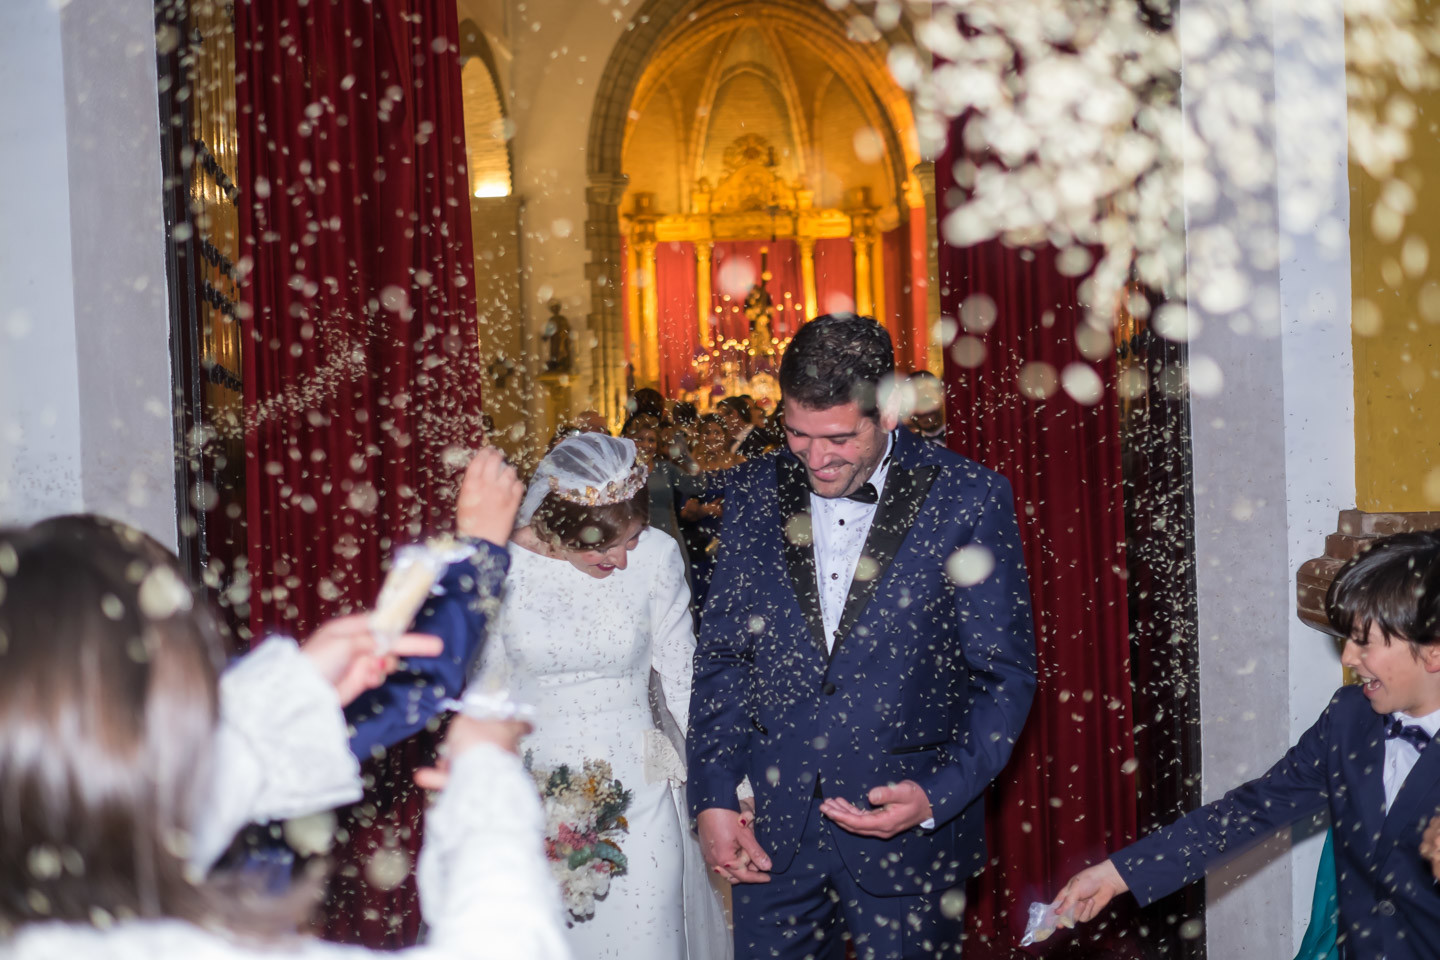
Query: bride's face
<point x="601" y="563"/>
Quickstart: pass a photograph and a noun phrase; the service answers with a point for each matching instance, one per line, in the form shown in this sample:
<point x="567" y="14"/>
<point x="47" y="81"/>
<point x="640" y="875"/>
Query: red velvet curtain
<point x="1068" y="797"/>
<point x="736" y="268"/>
<point x="677" y="322"/>
<point x="834" y="276"/>
<point x="363" y="367"/>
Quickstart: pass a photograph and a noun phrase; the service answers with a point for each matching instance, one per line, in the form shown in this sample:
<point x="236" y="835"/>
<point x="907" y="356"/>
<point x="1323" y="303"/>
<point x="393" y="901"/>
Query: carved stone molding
<point x="1355" y="530"/>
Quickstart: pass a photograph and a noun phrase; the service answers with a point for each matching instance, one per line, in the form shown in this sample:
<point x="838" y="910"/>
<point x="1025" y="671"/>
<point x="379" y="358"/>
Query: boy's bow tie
<point x="1411" y="733"/>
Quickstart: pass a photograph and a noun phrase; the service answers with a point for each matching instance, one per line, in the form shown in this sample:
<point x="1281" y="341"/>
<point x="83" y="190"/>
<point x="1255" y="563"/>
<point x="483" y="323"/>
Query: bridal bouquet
<point x="584" y="815"/>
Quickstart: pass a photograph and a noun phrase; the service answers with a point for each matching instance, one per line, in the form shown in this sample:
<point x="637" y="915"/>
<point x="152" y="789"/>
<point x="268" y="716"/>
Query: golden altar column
<point x="863" y="238"/>
<point x="807" y="276"/>
<point x="703" y="250"/>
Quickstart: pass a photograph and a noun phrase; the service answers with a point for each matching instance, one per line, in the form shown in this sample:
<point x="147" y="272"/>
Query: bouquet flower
<point x="584" y="816"/>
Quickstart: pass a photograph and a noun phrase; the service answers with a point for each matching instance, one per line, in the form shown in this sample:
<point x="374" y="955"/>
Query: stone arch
<point x="475" y="52"/>
<point x="606" y="180"/>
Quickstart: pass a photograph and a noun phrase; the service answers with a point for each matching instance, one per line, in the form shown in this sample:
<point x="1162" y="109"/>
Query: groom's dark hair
<point x="835" y="359"/>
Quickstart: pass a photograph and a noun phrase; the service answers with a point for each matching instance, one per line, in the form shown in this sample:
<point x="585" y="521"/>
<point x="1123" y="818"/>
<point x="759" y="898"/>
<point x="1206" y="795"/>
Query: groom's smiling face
<point x="839" y="446"/>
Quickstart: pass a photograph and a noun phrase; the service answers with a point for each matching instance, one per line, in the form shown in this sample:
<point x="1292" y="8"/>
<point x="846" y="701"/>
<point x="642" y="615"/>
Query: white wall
<point x="39" y="396"/>
<point x="560" y="48"/>
<point x="1273" y="444"/>
<point x="1314" y="202"/>
<point x="85" y="408"/>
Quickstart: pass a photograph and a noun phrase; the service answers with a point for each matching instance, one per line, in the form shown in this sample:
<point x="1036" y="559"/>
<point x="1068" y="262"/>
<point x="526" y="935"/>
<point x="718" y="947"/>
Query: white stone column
<point x="1271" y="409"/>
<point x="85" y="397"/>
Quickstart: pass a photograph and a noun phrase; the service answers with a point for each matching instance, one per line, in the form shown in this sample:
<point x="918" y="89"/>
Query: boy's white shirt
<point x="1401" y="755"/>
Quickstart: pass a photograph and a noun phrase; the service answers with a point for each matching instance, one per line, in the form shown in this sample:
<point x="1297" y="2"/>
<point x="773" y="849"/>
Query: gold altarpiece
<point x="751" y="202"/>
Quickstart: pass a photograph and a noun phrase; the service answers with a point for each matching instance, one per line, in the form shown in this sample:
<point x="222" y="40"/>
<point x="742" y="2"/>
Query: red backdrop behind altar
<point x="834" y="275"/>
<point x="735" y="268"/>
<point x="1067" y="798"/>
<point x="679" y="320"/>
<point x="362" y="368"/>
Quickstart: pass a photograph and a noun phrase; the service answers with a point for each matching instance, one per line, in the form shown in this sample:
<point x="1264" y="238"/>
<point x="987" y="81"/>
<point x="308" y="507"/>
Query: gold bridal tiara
<point x="616" y="491"/>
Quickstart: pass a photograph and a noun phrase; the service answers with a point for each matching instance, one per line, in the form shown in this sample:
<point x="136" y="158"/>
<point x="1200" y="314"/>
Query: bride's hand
<point x="490" y="494"/>
<point x="464" y="733"/>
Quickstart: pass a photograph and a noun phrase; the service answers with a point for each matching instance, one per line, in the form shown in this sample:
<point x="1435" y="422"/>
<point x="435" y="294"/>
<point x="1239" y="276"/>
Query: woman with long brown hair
<point x="127" y="749"/>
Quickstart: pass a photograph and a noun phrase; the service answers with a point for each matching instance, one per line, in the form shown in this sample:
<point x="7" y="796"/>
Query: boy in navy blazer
<point x="1370" y="760"/>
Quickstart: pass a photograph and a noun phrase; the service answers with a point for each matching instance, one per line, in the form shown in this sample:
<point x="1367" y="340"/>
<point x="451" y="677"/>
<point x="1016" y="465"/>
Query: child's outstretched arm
<point x="1089" y="891"/>
<point x="1176" y="855"/>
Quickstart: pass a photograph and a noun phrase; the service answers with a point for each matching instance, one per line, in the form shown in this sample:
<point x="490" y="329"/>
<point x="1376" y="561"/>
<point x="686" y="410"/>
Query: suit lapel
<point x="1368" y="785"/>
<point x="799" y="542"/>
<point x="906" y="486"/>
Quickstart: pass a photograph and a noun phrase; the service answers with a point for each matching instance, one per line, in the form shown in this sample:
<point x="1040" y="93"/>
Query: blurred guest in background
<point x="928" y="418"/>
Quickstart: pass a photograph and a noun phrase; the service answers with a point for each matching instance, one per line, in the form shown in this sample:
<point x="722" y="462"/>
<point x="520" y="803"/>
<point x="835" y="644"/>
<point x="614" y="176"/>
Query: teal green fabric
<point x="1319" y="942"/>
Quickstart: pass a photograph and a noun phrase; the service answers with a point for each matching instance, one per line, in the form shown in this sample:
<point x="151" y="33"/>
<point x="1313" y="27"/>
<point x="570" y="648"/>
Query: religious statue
<point x="758" y="310"/>
<point x="557" y="340"/>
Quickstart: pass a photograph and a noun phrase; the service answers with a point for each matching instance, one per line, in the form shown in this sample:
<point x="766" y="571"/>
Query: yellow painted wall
<point x="1394" y="267"/>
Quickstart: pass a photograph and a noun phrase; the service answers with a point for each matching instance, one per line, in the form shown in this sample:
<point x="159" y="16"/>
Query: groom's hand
<point x="728" y="841"/>
<point x="893" y="809"/>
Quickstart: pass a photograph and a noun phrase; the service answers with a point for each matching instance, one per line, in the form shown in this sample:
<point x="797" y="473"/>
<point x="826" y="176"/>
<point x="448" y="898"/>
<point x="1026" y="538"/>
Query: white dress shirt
<point x="1401" y="755"/>
<point x="838" y="529"/>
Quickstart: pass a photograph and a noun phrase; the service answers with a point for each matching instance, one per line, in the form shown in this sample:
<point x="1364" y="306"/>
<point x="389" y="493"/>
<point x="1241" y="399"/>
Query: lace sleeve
<point x="673" y="631"/>
<point x="281" y="748"/>
<point x="485" y="886"/>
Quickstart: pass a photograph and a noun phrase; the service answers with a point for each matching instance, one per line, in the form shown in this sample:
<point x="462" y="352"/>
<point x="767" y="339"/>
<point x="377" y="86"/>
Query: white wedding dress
<point x="580" y="650"/>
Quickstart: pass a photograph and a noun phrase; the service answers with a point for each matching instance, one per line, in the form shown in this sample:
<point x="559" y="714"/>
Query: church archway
<point x="664" y="33"/>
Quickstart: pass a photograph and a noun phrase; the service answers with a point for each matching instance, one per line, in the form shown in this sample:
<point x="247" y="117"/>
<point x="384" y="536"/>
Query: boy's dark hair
<point x="1394" y="584"/>
<point x="835" y="359"/>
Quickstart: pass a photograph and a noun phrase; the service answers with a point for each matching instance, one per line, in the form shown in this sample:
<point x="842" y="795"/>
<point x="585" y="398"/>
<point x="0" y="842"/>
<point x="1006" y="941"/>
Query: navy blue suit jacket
<point x="1389" y="902"/>
<point x="411" y="696"/>
<point x="928" y="681"/>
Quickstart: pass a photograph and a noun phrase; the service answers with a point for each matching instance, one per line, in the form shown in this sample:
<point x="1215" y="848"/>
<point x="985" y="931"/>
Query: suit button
<point x="828" y="689"/>
<point x="1386" y="908"/>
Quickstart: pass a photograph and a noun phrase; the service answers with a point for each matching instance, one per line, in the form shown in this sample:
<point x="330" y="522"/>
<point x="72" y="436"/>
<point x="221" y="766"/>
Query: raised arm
<point x="280" y="748"/>
<point x="280" y="745"/>
<point x="469" y="593"/>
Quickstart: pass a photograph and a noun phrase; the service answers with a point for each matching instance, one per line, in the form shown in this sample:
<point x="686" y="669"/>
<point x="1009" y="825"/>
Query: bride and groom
<point x="865" y="697"/>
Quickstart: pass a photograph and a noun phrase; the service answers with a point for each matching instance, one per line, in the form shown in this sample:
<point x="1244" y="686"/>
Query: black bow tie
<point x="1411" y="733"/>
<point x="866" y="494"/>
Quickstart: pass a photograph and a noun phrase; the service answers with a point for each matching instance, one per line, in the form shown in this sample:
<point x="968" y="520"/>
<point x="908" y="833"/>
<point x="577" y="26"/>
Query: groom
<point x="866" y="658"/>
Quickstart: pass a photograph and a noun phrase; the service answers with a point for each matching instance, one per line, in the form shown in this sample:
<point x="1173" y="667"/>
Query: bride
<point x="595" y="633"/>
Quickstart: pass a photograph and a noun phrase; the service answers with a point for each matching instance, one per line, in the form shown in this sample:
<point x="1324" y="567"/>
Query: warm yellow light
<point x="493" y="188"/>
